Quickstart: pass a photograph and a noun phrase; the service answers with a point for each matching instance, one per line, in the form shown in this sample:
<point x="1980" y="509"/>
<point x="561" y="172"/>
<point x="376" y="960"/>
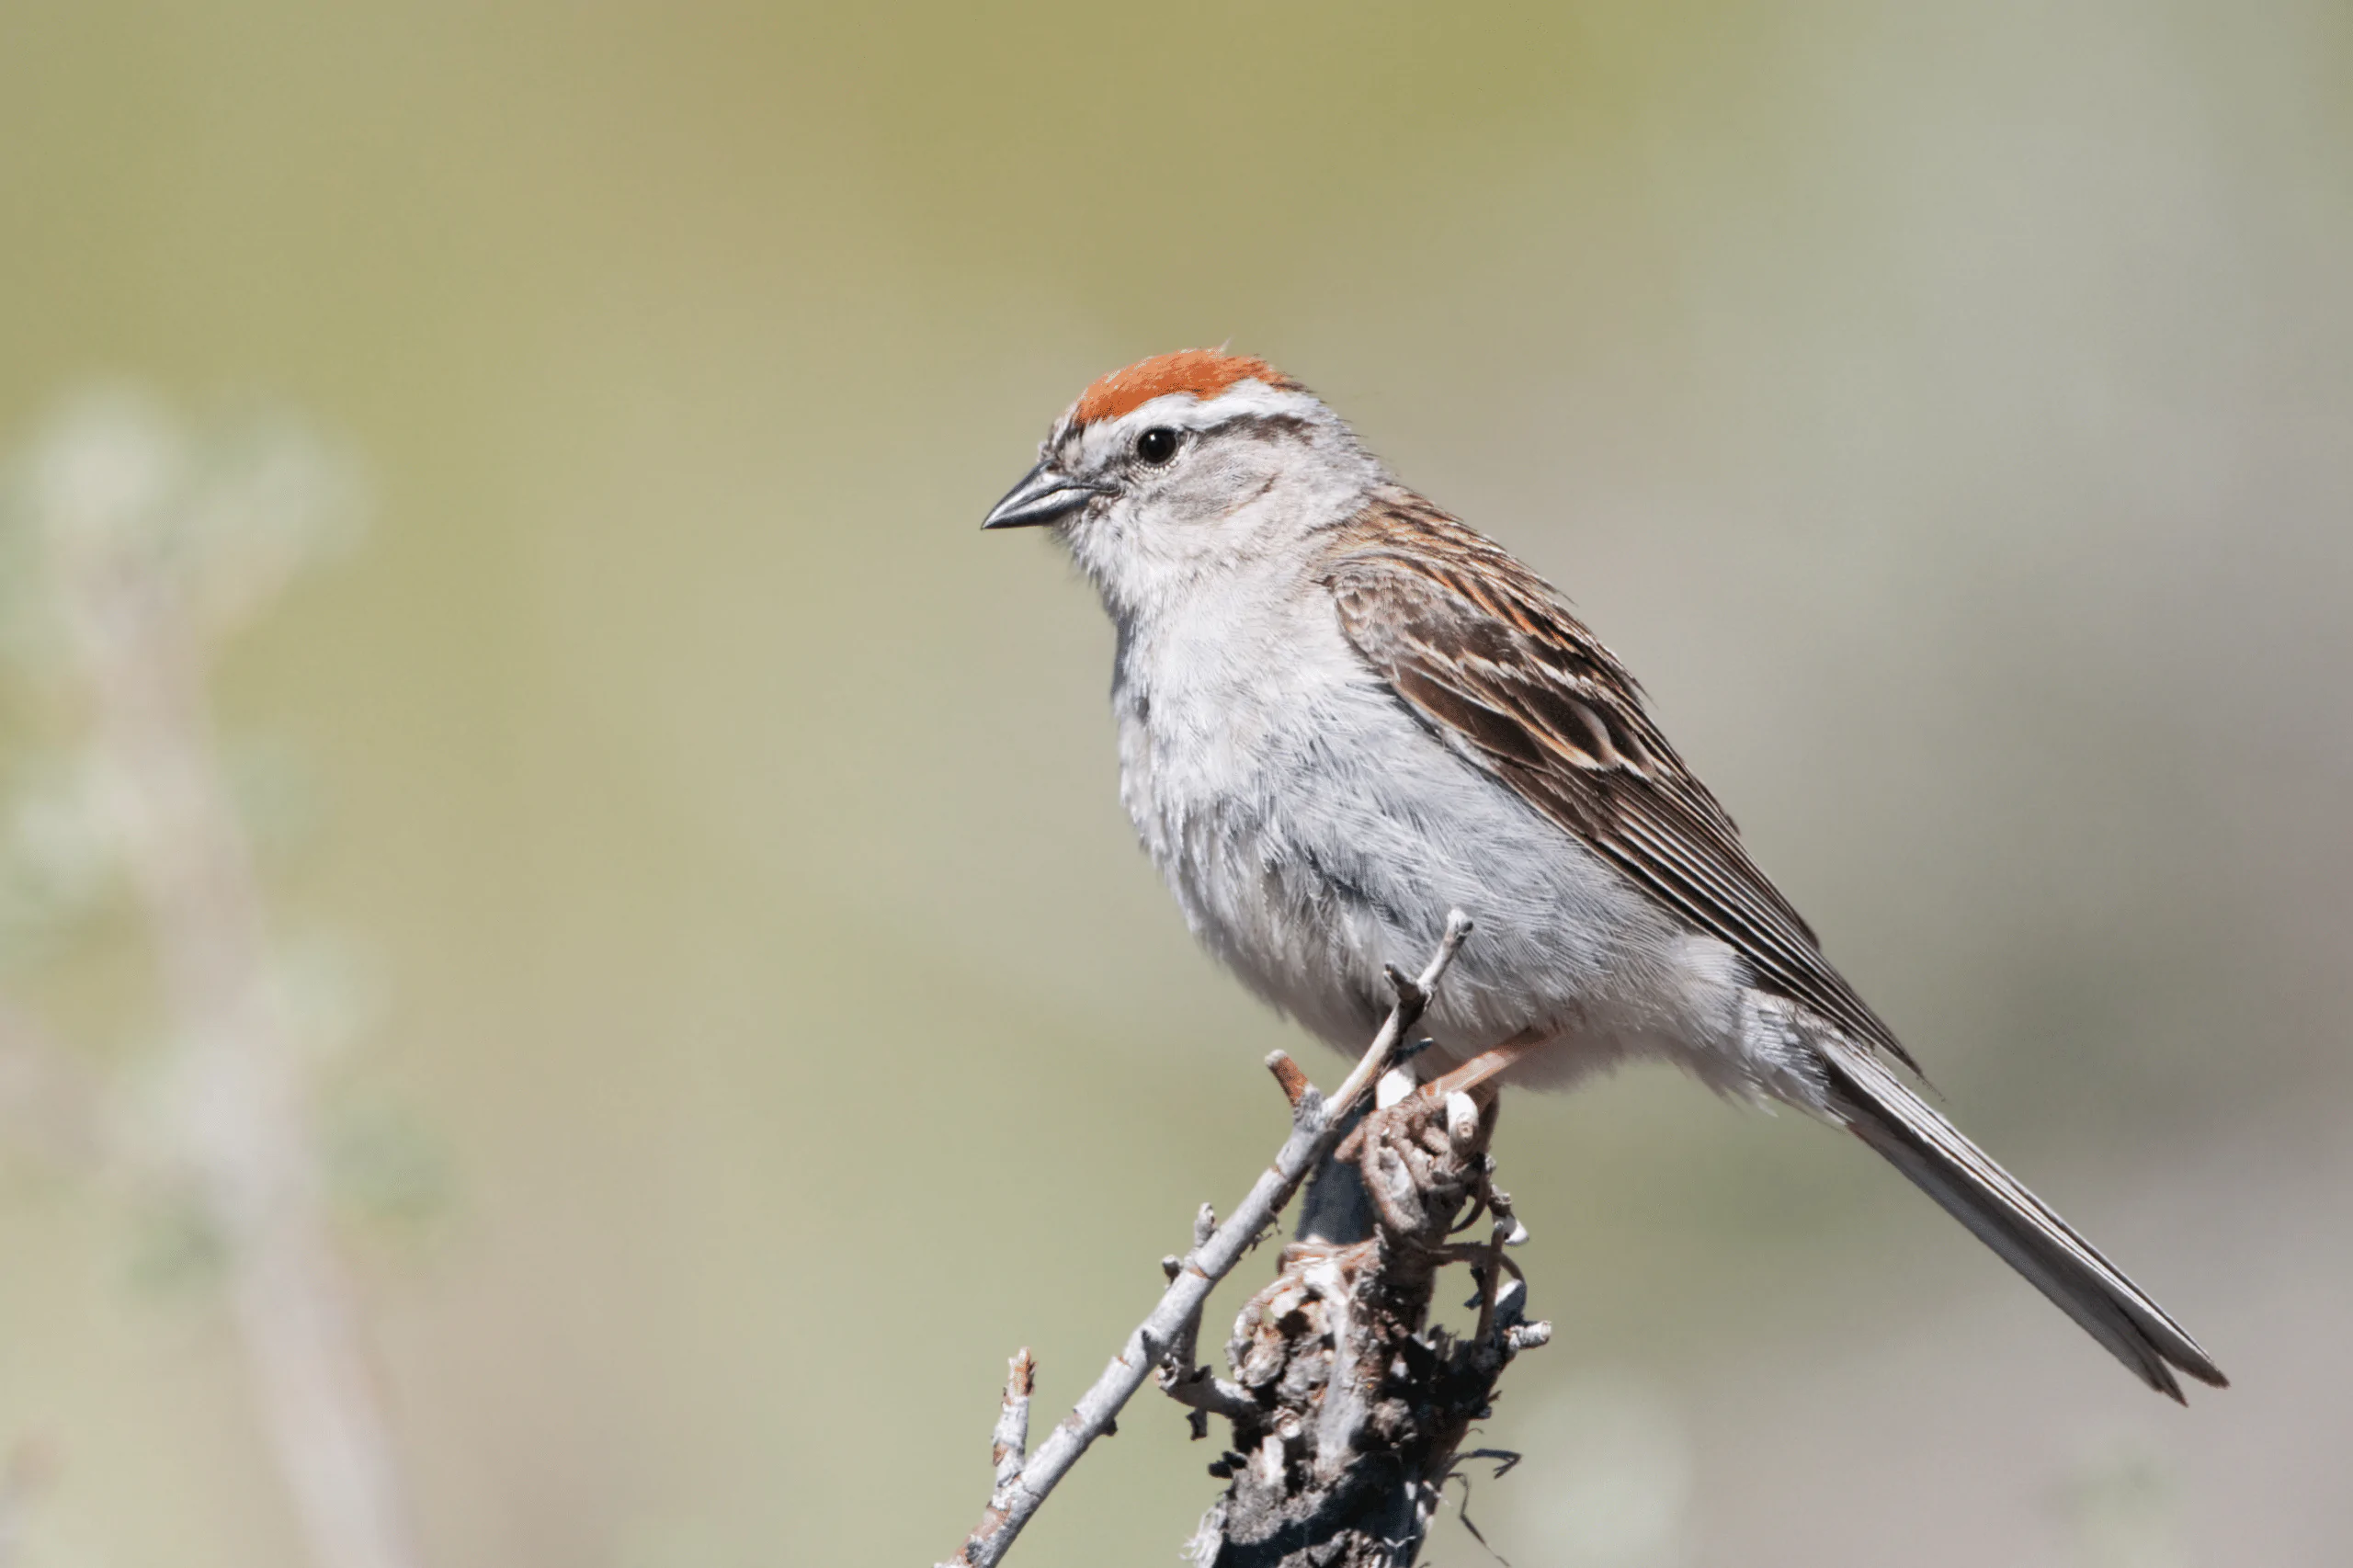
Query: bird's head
<point x="1189" y="466"/>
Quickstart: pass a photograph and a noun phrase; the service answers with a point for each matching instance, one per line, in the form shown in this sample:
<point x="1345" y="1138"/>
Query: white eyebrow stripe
<point x="1183" y="411"/>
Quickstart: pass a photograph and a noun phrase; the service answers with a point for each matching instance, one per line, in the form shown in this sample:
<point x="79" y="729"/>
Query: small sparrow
<point x="1343" y="713"/>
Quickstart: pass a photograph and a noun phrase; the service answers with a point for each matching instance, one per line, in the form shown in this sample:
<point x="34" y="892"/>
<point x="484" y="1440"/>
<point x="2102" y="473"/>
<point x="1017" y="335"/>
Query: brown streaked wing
<point x="1484" y="651"/>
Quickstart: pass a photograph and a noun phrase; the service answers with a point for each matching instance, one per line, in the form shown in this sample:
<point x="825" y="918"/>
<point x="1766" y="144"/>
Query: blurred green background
<point x="1949" y="411"/>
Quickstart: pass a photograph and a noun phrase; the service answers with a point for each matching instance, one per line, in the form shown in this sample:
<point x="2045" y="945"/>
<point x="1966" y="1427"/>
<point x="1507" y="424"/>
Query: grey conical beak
<point x="1045" y="494"/>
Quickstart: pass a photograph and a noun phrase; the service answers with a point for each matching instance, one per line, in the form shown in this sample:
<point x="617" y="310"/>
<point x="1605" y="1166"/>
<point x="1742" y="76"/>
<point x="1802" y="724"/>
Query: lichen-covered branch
<point x="1356" y="1405"/>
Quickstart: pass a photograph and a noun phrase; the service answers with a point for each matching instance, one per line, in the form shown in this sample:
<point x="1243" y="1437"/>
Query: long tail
<point x="1884" y="1113"/>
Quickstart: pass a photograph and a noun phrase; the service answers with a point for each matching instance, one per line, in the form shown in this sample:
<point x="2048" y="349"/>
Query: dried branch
<point x="1315" y="1126"/>
<point x="1011" y="1439"/>
<point x="1357" y="1407"/>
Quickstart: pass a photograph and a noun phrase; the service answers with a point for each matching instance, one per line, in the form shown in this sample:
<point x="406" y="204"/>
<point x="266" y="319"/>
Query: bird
<point x="1342" y="714"/>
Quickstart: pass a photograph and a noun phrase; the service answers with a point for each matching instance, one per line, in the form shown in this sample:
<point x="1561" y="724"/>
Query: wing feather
<point x="1487" y="654"/>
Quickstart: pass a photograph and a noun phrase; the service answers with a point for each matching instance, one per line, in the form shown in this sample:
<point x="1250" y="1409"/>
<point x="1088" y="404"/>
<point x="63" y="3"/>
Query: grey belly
<point x="1326" y="867"/>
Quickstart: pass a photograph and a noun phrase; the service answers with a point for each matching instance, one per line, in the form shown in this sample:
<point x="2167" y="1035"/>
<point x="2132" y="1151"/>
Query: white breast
<point x="1312" y="830"/>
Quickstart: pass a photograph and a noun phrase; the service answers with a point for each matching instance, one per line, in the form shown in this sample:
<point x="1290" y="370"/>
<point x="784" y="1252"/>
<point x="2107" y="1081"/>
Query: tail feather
<point x="1881" y="1110"/>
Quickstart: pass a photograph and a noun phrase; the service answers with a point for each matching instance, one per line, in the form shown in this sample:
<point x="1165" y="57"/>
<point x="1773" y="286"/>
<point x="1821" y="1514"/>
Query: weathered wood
<point x="1358" y="1405"/>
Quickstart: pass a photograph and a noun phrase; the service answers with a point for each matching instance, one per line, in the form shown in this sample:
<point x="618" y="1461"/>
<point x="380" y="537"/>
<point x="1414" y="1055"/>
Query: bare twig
<point x="1315" y="1126"/>
<point x="1011" y="1439"/>
<point x="1205" y="1393"/>
<point x="1180" y="1379"/>
<point x="1287" y="1074"/>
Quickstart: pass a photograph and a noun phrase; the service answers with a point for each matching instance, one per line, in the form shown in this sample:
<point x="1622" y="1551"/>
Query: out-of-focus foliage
<point x="1945" y="410"/>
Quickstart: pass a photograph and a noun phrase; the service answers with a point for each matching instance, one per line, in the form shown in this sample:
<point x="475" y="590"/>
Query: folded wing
<point x="1486" y="653"/>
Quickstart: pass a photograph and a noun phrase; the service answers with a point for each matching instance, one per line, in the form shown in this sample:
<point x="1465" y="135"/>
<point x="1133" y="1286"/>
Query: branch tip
<point x="1288" y="1073"/>
<point x="1410" y="994"/>
<point x="1009" y="1444"/>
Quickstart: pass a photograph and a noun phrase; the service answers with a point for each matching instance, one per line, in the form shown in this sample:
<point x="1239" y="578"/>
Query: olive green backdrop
<point x="1946" y="409"/>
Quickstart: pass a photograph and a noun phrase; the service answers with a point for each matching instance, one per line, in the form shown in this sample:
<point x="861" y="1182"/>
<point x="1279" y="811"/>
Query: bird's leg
<point x="1484" y="1066"/>
<point x="1336" y="1209"/>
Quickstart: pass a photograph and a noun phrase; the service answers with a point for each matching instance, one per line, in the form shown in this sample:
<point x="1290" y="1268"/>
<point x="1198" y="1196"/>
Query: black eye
<point x="1157" y="445"/>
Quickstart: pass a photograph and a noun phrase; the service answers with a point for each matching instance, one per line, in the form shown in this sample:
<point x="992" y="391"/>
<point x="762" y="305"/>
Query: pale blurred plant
<point x="131" y="548"/>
